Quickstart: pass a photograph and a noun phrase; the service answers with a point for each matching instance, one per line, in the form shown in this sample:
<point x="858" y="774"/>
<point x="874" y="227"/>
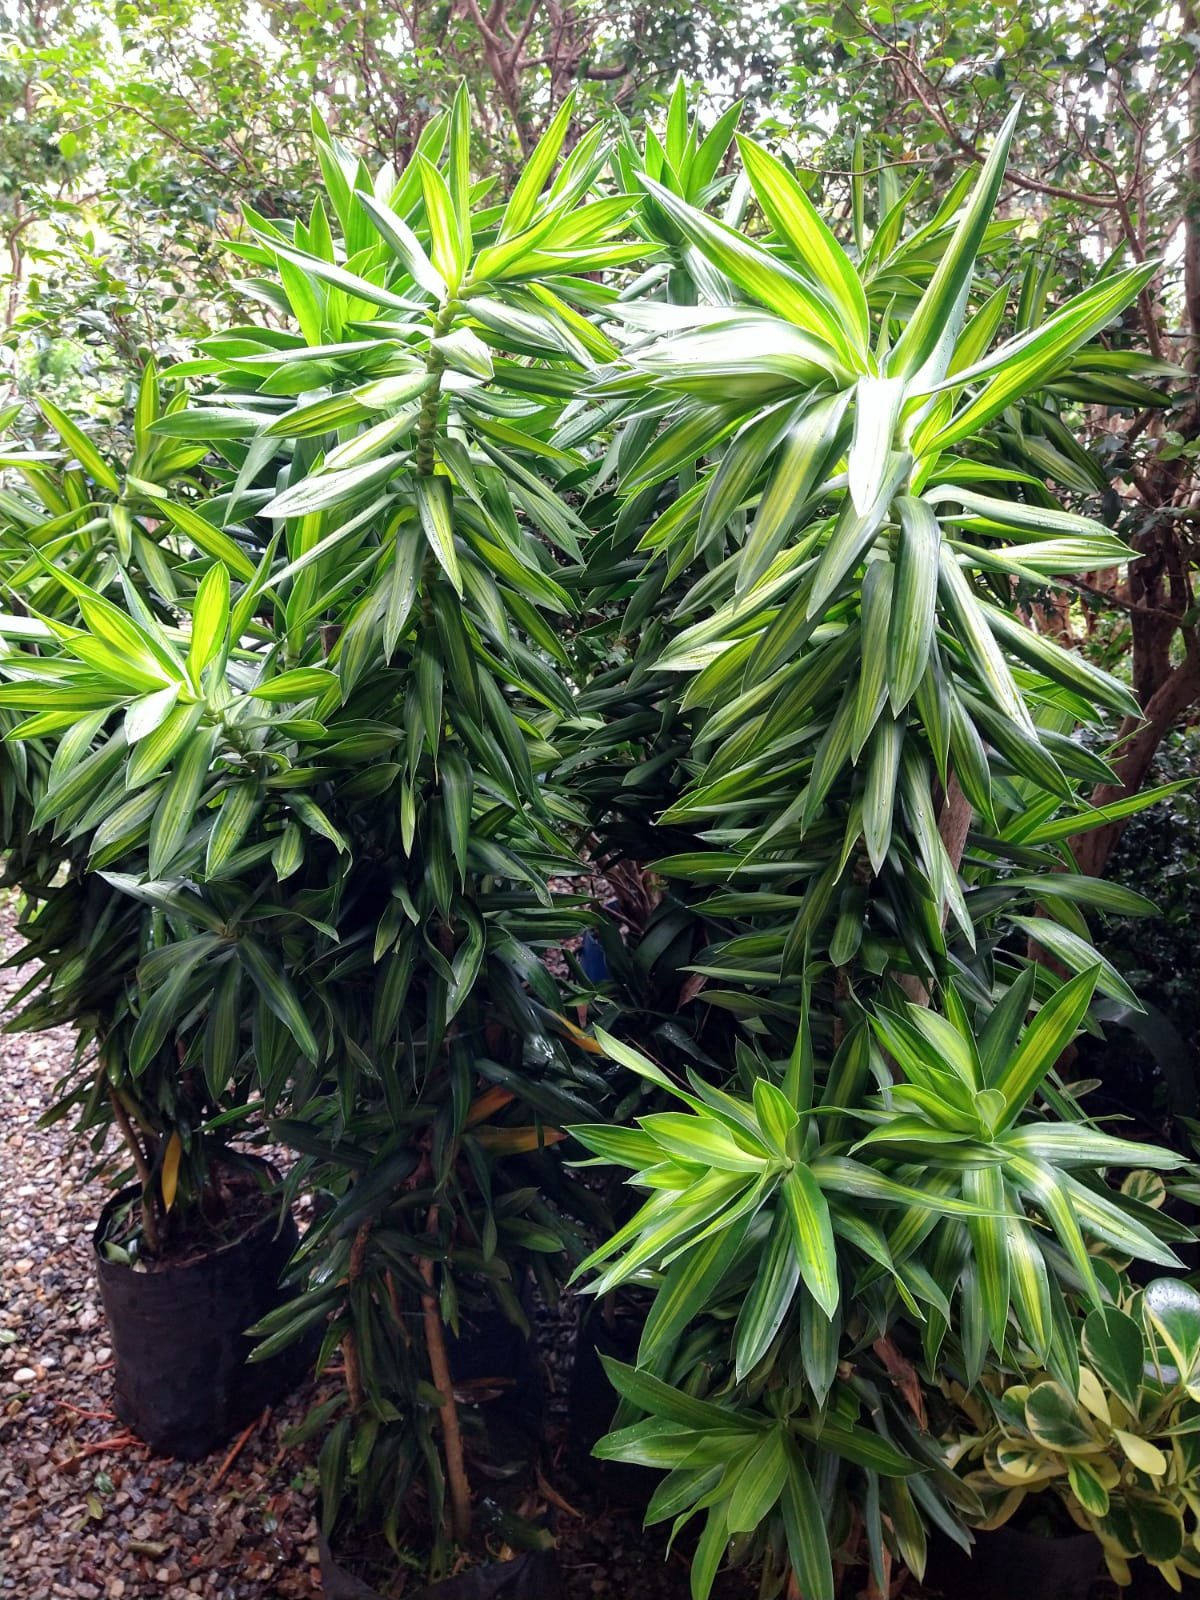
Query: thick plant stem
<point x="142" y="1167"/>
<point x="443" y="1382"/>
<point x="354" y="1383"/>
<point x="954" y="822"/>
<point x="435" y="365"/>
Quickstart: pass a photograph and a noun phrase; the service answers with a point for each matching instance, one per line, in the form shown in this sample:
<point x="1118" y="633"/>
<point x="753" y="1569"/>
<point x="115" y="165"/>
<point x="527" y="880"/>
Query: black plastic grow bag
<point x="591" y="1405"/>
<point x="179" y="1343"/>
<point x="532" y="1575"/>
<point x="1012" y="1564"/>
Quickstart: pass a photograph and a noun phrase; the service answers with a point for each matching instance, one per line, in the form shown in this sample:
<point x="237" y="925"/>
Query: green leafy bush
<point x="876" y="761"/>
<point x="591" y="518"/>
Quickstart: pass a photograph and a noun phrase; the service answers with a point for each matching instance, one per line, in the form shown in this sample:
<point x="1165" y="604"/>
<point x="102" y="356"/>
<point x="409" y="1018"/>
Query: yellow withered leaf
<point x="170" y="1170"/>
<point x="516" y="1141"/>
<point x="577" y="1036"/>
<point x="493" y="1099"/>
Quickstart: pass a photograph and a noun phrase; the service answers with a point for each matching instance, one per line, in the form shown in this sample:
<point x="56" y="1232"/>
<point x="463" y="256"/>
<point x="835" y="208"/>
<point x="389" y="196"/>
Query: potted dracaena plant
<point x="338" y="791"/>
<point x="820" y="458"/>
<point x="387" y="555"/>
<point x="192" y="1244"/>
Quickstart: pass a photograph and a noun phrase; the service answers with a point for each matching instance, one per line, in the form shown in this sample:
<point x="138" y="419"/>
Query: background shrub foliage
<point x="634" y="507"/>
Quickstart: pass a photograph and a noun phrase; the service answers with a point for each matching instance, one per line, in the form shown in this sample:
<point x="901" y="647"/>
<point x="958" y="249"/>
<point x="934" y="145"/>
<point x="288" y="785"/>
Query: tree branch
<point x="1142" y="738"/>
<point x="922" y="88"/>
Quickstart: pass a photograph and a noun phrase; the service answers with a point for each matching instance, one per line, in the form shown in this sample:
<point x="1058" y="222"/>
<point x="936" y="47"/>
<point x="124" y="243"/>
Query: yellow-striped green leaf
<point x="970" y="624"/>
<point x="536" y="172"/>
<point x="448" y="256"/>
<point x="299" y="683"/>
<point x="812" y="1236"/>
<point x="1039" y="1180"/>
<point x="759" y="1484"/>
<point x="914" y="599"/>
<point x="80" y="446"/>
<point x="1045" y="1039"/>
<point x="879" y="795"/>
<point x="804" y="1527"/>
<point x="1076" y="1145"/>
<point x="876" y="607"/>
<point x="1079" y="955"/>
<point x="210" y="619"/>
<point x="237" y="810"/>
<point x="853" y="534"/>
<point x="400" y="237"/>
<point x="730" y="486"/>
<point x="1100" y="1217"/>
<point x="686" y="1289"/>
<point x="125" y="827"/>
<point x="176" y="814"/>
<point x="770" y="1297"/>
<point x="278" y="994"/>
<point x="755" y="271"/>
<point x="323" y="490"/>
<point x="210" y="540"/>
<point x="1067" y="667"/>
<point x="1030" y="359"/>
<point x="989" y="1242"/>
<point x="776" y="1116"/>
<point x="1030" y="1286"/>
<point x="155" y="749"/>
<point x="926" y="345"/>
<point x="701" y="1140"/>
<point x="302" y="267"/>
<point x="673" y="1405"/>
<point x="877" y="403"/>
<point x="287" y="855"/>
<point x="143" y="716"/>
<point x="372" y="442"/>
<point x="1084" y="821"/>
<point x="803" y="456"/>
<point x="795" y="219"/>
<point x="435" y="507"/>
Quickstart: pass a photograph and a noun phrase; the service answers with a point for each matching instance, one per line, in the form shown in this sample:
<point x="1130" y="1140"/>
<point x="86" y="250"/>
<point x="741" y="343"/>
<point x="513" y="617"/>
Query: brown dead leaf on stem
<point x="904" y="1375"/>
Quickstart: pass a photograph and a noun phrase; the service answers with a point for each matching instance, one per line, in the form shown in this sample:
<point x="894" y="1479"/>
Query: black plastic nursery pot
<point x="531" y="1575"/>
<point x="1012" y="1564"/>
<point x="180" y="1350"/>
<point x="592" y="1402"/>
<point x="497" y="1377"/>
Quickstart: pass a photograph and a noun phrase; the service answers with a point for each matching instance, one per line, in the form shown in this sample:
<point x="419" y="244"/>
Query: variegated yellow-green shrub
<point x="1122" y="1452"/>
<point x="631" y="505"/>
<point x="841" y="706"/>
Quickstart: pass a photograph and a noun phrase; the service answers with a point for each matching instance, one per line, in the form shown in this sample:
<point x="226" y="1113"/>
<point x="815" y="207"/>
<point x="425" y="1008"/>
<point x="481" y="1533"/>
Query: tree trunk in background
<point x="1159" y="584"/>
<point x="1166" y="707"/>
